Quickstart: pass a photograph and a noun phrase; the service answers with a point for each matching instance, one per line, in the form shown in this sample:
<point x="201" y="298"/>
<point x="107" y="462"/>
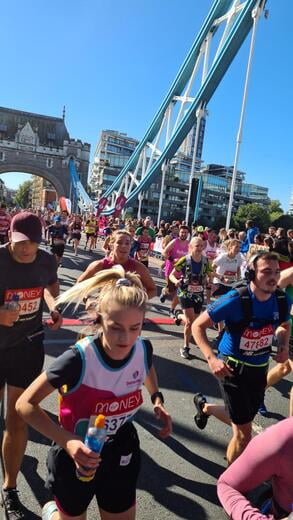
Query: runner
<point x="281" y="370"/>
<point x="90" y="230"/>
<point x="27" y="277"/>
<point x="58" y="233"/>
<point x="194" y="269"/>
<point x="244" y="348"/>
<point x="227" y="268"/>
<point x="144" y="242"/>
<point x="99" y="370"/>
<point x="267" y="457"/>
<point x="120" y="249"/>
<point x="75" y="229"/>
<point x="147" y="223"/>
<point x="5" y="220"/>
<point x="177" y="248"/>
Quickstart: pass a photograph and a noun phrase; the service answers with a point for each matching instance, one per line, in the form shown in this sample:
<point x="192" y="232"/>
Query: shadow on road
<point x="159" y="484"/>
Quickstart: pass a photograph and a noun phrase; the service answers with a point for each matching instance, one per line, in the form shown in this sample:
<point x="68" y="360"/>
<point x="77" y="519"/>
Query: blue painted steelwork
<point x="198" y="197"/>
<point x="78" y="191"/>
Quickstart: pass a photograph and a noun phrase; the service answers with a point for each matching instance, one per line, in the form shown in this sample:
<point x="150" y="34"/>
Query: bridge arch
<point x="58" y="185"/>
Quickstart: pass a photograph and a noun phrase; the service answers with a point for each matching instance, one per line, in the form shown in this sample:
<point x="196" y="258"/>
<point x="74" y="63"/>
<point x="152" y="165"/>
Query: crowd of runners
<point x="239" y="283"/>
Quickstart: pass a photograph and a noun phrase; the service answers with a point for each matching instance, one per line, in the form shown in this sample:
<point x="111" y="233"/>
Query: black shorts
<point x="58" y="249"/>
<point x="76" y="236"/>
<point x="244" y="391"/>
<point x="89" y="235"/>
<point x="114" y="484"/>
<point x="22" y="363"/>
<point x="192" y="303"/>
<point x="221" y="289"/>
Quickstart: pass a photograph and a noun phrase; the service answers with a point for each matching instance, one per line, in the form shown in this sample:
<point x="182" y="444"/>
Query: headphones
<point x="250" y="271"/>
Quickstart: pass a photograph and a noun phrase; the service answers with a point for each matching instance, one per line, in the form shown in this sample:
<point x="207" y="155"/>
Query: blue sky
<point x="111" y="63"/>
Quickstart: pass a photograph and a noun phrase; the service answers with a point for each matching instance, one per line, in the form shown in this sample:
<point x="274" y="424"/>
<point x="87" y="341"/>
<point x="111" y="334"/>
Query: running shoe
<point x="184" y="352"/>
<point x="263" y="410"/>
<point x="11" y="504"/>
<point x="48" y="510"/>
<point x="176" y="317"/>
<point x="172" y="313"/>
<point x="162" y="297"/>
<point x="200" y="418"/>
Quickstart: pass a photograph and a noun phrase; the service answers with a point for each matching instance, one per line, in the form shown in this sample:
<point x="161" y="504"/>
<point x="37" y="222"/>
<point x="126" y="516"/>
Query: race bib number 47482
<point x="256" y="342"/>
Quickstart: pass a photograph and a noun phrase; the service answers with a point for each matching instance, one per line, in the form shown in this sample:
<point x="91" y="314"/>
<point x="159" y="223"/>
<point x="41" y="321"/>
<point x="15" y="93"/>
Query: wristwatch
<point x="155" y="395"/>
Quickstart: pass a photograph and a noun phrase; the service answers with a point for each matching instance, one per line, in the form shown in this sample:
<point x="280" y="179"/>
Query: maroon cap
<point x="26" y="226"/>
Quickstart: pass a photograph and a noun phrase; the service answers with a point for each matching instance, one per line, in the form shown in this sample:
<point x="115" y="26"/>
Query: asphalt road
<point x="178" y="476"/>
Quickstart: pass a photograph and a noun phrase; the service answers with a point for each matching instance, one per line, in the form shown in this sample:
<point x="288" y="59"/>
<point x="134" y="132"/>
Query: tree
<point x="275" y="207"/>
<point x="22" y="196"/>
<point x="255" y="212"/>
<point x="275" y="210"/>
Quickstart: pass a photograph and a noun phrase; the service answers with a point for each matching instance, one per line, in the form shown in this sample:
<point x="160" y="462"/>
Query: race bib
<point x="118" y="410"/>
<point x="193" y="288"/>
<point x="29" y="300"/>
<point x="230" y="275"/>
<point x="256" y="342"/>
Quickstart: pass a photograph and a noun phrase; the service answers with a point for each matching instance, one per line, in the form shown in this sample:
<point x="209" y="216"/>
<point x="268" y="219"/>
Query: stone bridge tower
<point x="41" y="145"/>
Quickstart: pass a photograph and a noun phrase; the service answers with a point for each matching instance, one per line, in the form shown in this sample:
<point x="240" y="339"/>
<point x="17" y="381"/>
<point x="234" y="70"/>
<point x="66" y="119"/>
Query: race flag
<point x="101" y="205"/>
<point x="120" y="203"/>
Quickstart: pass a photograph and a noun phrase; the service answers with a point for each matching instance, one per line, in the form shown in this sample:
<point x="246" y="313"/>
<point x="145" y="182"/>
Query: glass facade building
<point x="210" y="186"/>
<point x="215" y="184"/>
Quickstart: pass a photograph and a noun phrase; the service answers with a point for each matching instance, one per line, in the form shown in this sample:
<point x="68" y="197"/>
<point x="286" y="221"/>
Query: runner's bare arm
<point x="173" y="279"/>
<point x="28" y="408"/>
<point x="50" y="293"/>
<point x="91" y="270"/>
<point x="199" y="328"/>
<point x="151" y="384"/>
<point x="146" y="280"/>
<point x="286" y="278"/>
<point x="168" y="248"/>
<point x="283" y="335"/>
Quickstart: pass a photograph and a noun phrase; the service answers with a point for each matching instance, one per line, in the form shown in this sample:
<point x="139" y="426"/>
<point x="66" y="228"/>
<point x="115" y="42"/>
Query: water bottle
<point x="13" y="304"/>
<point x="94" y="440"/>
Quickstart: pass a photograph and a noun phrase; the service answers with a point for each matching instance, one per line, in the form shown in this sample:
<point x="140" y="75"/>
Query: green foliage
<point x="22" y="196"/>
<point x="275" y="215"/>
<point x="255" y="212"/>
<point x="275" y="207"/>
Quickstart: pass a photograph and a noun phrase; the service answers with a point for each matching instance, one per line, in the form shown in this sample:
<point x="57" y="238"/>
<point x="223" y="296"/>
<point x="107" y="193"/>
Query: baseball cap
<point x="57" y="218"/>
<point x="26" y="226"/>
<point x="200" y="229"/>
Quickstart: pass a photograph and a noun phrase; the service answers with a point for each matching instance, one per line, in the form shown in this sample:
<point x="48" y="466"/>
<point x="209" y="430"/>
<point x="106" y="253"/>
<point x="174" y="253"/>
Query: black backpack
<point x="246" y="303"/>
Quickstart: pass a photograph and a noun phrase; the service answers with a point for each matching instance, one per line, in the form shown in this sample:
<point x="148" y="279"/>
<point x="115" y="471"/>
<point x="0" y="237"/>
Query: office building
<point x="213" y="191"/>
<point x="112" y="153"/>
<point x="42" y="193"/>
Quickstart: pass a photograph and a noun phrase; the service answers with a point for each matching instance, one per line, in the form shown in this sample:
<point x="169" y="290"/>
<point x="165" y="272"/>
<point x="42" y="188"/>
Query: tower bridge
<point x="41" y="145"/>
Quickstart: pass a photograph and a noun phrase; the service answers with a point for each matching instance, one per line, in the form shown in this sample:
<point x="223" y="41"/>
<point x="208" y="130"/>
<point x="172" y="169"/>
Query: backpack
<point x="246" y="303"/>
<point x="187" y="279"/>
